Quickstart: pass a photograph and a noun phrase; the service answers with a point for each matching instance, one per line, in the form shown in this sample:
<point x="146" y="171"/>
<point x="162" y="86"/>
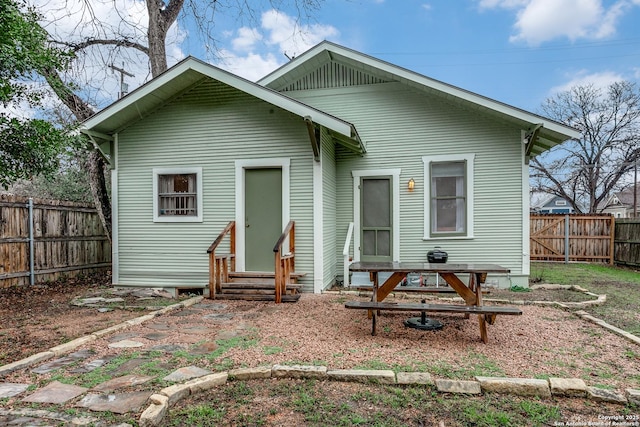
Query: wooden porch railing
<point x="219" y="264"/>
<point x="285" y="262"/>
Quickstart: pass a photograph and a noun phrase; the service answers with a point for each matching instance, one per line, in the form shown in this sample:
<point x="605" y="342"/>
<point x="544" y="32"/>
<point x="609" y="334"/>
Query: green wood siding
<point x="399" y="126"/>
<point x="209" y="126"/>
<point x="329" y="208"/>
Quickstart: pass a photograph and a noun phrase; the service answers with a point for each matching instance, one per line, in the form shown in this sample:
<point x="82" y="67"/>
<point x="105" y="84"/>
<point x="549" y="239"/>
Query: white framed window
<point x="561" y="203"/>
<point x="448" y="198"/>
<point x="177" y="194"/>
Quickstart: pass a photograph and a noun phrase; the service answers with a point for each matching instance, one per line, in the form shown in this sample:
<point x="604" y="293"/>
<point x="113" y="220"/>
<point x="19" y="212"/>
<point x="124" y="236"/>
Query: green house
<point x="369" y="160"/>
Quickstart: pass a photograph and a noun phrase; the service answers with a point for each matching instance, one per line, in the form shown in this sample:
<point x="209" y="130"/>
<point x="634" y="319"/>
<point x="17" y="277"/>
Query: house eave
<point x="152" y="95"/>
<point x="550" y="134"/>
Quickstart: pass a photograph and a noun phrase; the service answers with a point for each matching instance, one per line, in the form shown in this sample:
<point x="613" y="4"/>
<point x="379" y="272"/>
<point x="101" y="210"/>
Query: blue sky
<point x="515" y="51"/>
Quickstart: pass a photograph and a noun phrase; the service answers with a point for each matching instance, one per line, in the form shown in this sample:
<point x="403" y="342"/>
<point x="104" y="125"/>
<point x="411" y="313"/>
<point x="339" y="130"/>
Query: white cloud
<point x="255" y="52"/>
<point x="251" y="66"/>
<point x="504" y="4"/>
<point x="538" y="21"/>
<point x="427" y="6"/>
<point x="247" y="38"/>
<point x="583" y="78"/>
<point x="289" y="36"/>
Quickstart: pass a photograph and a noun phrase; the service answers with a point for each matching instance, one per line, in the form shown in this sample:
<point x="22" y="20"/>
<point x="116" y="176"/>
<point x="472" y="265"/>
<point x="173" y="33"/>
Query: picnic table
<point x="471" y="292"/>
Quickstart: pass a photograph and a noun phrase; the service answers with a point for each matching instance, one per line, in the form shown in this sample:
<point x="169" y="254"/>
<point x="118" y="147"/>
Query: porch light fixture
<point x="411" y="184"/>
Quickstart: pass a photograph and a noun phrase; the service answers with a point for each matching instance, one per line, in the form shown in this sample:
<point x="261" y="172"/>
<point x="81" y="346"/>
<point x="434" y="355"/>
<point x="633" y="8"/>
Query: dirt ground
<point x="543" y="342"/>
<point x="34" y="319"/>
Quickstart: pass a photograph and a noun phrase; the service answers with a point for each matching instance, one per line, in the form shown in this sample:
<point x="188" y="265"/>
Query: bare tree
<point x="586" y="171"/>
<point x="129" y="38"/>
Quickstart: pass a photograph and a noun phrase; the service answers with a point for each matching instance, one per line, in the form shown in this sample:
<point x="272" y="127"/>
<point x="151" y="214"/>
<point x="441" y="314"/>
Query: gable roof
<point x="190" y="71"/>
<point x="542" y="133"/>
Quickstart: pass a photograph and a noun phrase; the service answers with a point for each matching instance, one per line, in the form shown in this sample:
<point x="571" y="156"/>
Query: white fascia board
<point x="277" y="99"/>
<point x="419" y="79"/>
<point x="141" y="92"/>
<point x="297" y="62"/>
<point x="267" y="95"/>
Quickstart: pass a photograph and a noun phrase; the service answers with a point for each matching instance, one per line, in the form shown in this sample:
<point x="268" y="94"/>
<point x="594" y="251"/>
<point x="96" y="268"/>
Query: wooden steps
<point x="257" y="286"/>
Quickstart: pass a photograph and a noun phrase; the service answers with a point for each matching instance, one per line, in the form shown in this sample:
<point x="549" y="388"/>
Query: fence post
<point x="32" y="278"/>
<point x="566" y="239"/>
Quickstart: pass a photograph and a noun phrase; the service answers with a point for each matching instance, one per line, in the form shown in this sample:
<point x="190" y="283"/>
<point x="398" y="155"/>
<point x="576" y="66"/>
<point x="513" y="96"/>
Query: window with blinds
<point x="448" y="197"/>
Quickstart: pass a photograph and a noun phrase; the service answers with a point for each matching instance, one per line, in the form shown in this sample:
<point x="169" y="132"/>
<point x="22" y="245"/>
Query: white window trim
<point x="469" y="176"/>
<point x="240" y="166"/>
<point x="199" y="191"/>
<point x="395" y="182"/>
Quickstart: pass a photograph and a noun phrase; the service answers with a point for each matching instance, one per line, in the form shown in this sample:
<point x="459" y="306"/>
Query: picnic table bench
<point x="471" y="292"/>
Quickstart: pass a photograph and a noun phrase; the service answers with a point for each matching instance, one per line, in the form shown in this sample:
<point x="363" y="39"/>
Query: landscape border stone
<point x="155" y="413"/>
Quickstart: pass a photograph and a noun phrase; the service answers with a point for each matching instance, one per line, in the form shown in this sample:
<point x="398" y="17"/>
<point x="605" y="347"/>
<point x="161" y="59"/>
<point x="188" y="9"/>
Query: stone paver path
<point x="116" y="394"/>
<point x="55" y="392"/>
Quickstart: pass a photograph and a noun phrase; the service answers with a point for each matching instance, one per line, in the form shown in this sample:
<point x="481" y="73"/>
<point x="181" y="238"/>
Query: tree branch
<point x="75" y="47"/>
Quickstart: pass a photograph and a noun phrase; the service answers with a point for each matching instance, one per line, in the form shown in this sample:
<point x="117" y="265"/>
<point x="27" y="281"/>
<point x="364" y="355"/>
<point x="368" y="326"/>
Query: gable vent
<point x="331" y="75"/>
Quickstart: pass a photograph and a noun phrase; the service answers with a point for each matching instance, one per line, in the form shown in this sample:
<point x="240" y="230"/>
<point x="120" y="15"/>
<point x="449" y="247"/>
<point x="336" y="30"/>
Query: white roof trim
<point x="261" y="92"/>
<point x="403" y="73"/>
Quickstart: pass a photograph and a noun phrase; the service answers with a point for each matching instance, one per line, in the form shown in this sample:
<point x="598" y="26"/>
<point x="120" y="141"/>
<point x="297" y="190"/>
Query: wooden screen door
<point x="376" y="213"/>
<point x="263" y="217"/>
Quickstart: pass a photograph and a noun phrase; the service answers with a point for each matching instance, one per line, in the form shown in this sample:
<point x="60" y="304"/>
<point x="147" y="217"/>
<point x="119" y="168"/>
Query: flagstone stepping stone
<point x="119" y="403"/>
<point x="219" y="316"/>
<point x="62" y="361"/>
<point x="184" y="313"/>
<point x="12" y="389"/>
<point x="130" y="365"/>
<point x="167" y="348"/>
<point x="186" y="373"/>
<point x="104" y="310"/>
<point x="124" y="381"/>
<point x="141" y="293"/>
<point x="159" y="326"/>
<point x="204" y="348"/>
<point x="41" y="417"/>
<point x="196" y="330"/>
<point x="124" y="336"/>
<point x="155" y="336"/>
<point x="119" y="291"/>
<point x="92" y="366"/>
<point x="126" y="344"/>
<point x="56" y="393"/>
<point x="88" y="301"/>
<point x="214" y="307"/>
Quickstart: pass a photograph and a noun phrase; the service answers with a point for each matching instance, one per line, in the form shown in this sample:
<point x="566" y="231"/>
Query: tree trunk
<point x="161" y="18"/>
<point x="96" y="167"/>
<point x="95" y="162"/>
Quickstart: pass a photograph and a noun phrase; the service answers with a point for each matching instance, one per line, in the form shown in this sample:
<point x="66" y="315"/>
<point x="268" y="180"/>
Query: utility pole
<point x="124" y="88"/>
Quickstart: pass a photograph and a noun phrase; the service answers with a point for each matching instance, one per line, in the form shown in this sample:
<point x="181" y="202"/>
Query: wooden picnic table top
<point x="430" y="267"/>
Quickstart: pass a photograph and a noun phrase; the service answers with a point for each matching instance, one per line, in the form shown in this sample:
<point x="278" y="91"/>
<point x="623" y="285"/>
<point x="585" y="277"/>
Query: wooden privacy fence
<point x="42" y="239"/>
<point x="627" y="241"/>
<point x="559" y="237"/>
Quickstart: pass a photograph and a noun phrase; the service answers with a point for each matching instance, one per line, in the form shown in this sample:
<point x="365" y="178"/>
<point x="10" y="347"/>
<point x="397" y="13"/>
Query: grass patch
<point x="326" y="403"/>
<point x="620" y="285"/>
<point x="202" y="415"/>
